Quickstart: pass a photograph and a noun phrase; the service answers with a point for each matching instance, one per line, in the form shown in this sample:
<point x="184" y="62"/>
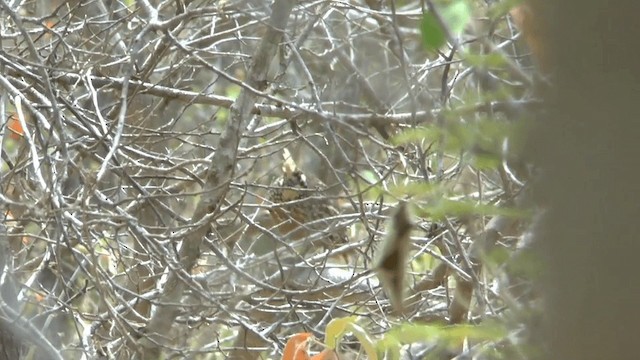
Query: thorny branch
<point x="140" y="144"/>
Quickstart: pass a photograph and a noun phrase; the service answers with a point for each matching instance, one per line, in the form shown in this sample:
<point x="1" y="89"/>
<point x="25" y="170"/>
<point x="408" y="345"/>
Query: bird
<point x="300" y="207"/>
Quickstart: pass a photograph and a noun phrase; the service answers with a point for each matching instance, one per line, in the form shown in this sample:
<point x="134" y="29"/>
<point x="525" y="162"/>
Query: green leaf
<point x="420" y="189"/>
<point x="486" y="161"/>
<point x="498" y="256"/>
<point x="451" y="334"/>
<point x="488" y="331"/>
<point x="429" y="134"/>
<point x="426" y="262"/>
<point x="365" y="340"/>
<point x="338" y="327"/>
<point x="455" y="17"/>
<point x="413" y="333"/>
<point x="233" y="91"/>
<point x="390" y="347"/>
<point x="501" y="8"/>
<point x="335" y="329"/>
<point x="446" y="207"/>
<point x="492" y="60"/>
<point x="222" y="115"/>
<point x="369" y="176"/>
<point x="433" y="36"/>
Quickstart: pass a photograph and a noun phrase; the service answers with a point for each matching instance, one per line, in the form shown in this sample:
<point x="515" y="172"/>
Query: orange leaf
<point x="26" y="240"/>
<point x="296" y="347"/>
<point x="16" y="130"/>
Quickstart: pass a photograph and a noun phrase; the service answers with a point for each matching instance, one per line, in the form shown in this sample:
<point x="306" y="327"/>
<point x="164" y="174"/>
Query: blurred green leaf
<point x="222" y="115"/>
<point x="498" y="256"/>
<point x="420" y="189"/>
<point x="365" y="340"/>
<point x="389" y="346"/>
<point x="455" y="16"/>
<point x="335" y="329"/>
<point x="410" y="333"/>
<point x="433" y="36"/>
<point x="483" y="332"/>
<point x="426" y="262"/>
<point x="525" y="263"/>
<point x="375" y="192"/>
<point x="427" y="133"/>
<point x="487" y="161"/>
<point x="233" y="91"/>
<point x="501" y="8"/>
<point x="490" y="60"/>
<point x="369" y="176"/>
<point x="445" y="207"/>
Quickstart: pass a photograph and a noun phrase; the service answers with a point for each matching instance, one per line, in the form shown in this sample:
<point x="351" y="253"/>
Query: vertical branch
<point x="218" y="176"/>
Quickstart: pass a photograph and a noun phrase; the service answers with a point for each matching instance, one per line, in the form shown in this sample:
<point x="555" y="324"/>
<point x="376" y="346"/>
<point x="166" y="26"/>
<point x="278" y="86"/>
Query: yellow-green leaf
<point x="335" y="329"/>
<point x="365" y="340"/>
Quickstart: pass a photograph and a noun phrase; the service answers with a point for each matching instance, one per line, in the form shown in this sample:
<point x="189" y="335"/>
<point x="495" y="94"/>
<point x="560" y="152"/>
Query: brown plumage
<point x="300" y="207"/>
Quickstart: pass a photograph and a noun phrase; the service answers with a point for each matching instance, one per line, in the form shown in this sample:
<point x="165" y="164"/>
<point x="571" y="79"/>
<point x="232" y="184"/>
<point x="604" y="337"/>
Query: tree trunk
<point x="587" y="151"/>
